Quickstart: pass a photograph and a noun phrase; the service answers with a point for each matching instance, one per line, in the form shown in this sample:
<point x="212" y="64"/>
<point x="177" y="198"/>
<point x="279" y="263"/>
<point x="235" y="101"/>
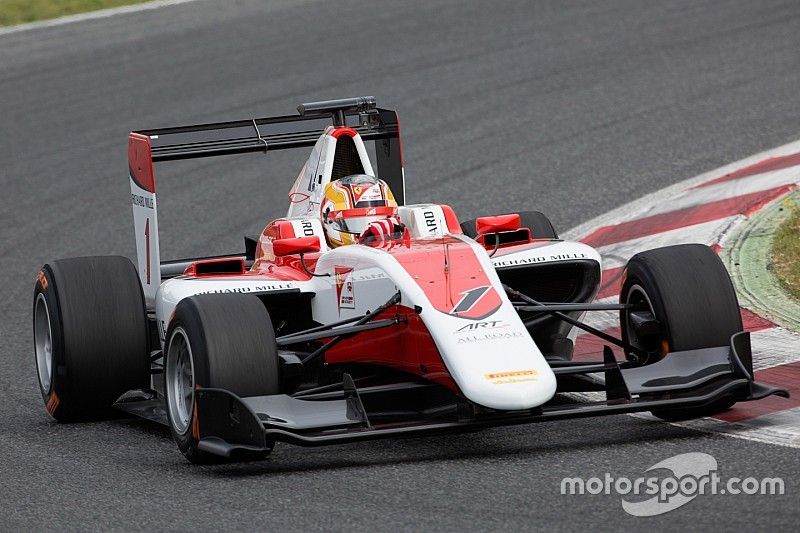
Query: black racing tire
<point x="690" y="294"/>
<point x="231" y="345"/>
<point x="538" y="223"/>
<point x="91" y="335"/>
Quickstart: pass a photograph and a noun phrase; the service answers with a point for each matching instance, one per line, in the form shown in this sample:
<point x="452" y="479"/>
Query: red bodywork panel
<point x="446" y="269"/>
<point x="295" y="246"/>
<point x="407" y="347"/>
<point x="497" y="223"/>
<point x="343" y="131"/>
<point x="466" y="291"/>
<point x="140" y="161"/>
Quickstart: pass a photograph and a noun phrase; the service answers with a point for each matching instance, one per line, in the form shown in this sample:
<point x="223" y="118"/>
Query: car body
<point x="437" y="330"/>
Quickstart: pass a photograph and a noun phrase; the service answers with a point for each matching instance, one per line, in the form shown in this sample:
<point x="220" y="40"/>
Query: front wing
<point x="228" y="425"/>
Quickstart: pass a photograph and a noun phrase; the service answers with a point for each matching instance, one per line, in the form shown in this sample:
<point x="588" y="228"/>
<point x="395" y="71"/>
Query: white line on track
<point x="99" y="14"/>
<point x="708" y="233"/>
<point x="725" y="190"/>
<point x="635" y="209"/>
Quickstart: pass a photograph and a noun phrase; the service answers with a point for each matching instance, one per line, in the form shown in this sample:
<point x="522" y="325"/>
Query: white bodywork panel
<point x="551" y="252"/>
<point x="305" y="196"/>
<point x="145" y="224"/>
<point x="423" y="220"/>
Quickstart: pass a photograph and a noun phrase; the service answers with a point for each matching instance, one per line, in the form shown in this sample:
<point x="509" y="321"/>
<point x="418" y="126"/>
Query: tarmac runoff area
<point x="735" y="210"/>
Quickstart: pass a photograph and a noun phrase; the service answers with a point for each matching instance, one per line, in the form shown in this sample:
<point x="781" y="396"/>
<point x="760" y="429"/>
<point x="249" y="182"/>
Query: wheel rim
<point x="637" y="296"/>
<point x="180" y="380"/>
<point x="43" y="343"/>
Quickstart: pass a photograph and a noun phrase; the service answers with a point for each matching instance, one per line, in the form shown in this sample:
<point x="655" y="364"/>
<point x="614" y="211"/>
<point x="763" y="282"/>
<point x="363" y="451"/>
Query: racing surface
<point x="572" y="108"/>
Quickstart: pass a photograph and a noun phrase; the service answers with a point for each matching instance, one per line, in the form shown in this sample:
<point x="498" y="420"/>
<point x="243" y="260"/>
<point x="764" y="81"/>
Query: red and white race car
<point x="423" y="324"/>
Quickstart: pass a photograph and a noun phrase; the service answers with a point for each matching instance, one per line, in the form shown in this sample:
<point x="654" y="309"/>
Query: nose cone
<point x="494" y="362"/>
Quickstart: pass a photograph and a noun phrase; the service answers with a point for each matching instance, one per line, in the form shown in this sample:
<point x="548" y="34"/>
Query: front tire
<point x="90" y="335"/>
<point x="689" y="292"/>
<point x="221" y="341"/>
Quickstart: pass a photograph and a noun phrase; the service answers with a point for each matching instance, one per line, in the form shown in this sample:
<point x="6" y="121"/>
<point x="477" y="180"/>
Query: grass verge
<point x="786" y="249"/>
<point x="19" y="11"/>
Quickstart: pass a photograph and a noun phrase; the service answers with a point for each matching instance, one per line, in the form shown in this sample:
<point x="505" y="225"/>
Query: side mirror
<point x="497" y="224"/>
<point x="295" y="245"/>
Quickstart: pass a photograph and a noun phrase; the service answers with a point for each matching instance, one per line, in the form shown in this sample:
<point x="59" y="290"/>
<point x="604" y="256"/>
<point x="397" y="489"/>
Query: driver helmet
<point x="351" y="203"/>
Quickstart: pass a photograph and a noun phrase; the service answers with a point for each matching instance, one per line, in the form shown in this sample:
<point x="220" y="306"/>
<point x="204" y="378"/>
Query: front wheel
<point x="90" y="335"/>
<point x="688" y="291"/>
<point x="223" y="341"/>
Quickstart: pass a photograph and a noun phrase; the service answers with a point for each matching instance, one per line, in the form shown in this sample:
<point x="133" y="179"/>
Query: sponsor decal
<point x="469" y="299"/>
<point x="366" y="193"/>
<point x="538" y="259"/>
<point x="430" y="221"/>
<point x="52" y="403"/>
<point x="41" y="279"/>
<point x="500" y="335"/>
<point x="307" y="227"/>
<point x="368" y="277"/>
<point x="486" y="324"/>
<point x="513" y="376"/>
<point x="345" y="296"/>
<point x="254" y="288"/>
<point x="298" y="197"/>
<point x="141" y="201"/>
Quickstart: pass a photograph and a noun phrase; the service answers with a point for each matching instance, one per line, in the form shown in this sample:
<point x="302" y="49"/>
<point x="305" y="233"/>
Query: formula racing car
<point x="361" y="316"/>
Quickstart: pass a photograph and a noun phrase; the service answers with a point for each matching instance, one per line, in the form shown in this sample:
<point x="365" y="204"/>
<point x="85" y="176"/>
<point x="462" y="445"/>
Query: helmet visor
<point x="357" y="220"/>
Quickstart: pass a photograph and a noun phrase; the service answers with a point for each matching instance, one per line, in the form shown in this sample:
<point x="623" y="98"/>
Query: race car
<point x="361" y="316"/>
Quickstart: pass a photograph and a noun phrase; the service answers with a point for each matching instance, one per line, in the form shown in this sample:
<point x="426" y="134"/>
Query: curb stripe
<point x="720" y="191"/>
<point x="611" y="282"/>
<point x="768" y="165"/>
<point x="632" y="229"/>
<point x="783" y="376"/>
<point x="708" y="233"/>
<point x="753" y="322"/>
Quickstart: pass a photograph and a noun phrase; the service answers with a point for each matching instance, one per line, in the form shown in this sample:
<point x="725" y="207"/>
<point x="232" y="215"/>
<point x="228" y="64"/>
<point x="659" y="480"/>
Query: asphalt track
<point x="569" y="107"/>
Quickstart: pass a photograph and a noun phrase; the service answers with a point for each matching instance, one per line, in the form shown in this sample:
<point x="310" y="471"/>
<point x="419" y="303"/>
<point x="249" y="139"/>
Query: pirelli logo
<point x="513" y="376"/>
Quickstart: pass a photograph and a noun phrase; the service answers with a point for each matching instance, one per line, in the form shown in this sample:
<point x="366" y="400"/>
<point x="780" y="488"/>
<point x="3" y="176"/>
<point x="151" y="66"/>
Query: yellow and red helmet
<point x="350" y="204"/>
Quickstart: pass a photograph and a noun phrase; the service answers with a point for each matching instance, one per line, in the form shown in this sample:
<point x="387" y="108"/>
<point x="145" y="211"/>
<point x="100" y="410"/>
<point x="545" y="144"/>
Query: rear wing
<point x="258" y="135"/>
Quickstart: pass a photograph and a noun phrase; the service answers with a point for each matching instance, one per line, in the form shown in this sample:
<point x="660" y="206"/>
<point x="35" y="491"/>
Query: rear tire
<point x="538" y="223"/>
<point x="223" y="341"/>
<point x="90" y="335"/>
<point x="689" y="292"/>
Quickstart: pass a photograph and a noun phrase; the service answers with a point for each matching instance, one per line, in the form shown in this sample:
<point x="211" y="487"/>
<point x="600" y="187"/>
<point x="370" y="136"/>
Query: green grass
<point x="786" y="250"/>
<point x="19" y="11"/>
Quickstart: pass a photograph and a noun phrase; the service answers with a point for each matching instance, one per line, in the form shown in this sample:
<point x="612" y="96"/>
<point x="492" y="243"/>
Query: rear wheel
<point x="90" y="335"/>
<point x="221" y="341"/>
<point x="688" y="291"/>
<point x="538" y="223"/>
